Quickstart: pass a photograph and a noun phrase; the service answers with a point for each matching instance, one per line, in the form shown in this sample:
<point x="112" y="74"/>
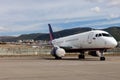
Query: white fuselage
<point x="95" y="39"/>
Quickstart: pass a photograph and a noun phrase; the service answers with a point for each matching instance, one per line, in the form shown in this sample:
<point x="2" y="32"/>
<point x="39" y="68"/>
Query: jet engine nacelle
<point x="58" y="52"/>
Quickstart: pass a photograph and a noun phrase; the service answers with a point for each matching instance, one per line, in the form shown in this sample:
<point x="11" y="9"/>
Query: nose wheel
<point x="101" y="55"/>
<point x="81" y="56"/>
<point x="102" y="58"/>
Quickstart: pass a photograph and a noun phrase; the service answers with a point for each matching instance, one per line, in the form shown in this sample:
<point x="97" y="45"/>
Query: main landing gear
<point x="81" y="56"/>
<point x="58" y="58"/>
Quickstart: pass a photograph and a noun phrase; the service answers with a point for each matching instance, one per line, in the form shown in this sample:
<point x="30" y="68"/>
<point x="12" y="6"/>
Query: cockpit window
<point x="107" y="35"/>
<point x="96" y="35"/>
<point x="100" y="35"/>
<point x="103" y="34"/>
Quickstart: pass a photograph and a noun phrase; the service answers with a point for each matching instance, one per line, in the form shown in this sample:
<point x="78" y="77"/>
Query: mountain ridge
<point x="114" y="31"/>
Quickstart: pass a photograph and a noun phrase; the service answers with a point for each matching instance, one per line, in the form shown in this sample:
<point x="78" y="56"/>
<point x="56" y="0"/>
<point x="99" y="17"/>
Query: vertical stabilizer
<point x="51" y="32"/>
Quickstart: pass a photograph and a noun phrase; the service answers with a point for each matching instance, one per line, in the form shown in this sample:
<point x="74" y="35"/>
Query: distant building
<point x="33" y="43"/>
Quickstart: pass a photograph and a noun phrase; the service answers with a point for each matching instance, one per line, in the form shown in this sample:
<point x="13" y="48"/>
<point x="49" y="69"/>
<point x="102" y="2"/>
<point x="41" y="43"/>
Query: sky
<point x="32" y="16"/>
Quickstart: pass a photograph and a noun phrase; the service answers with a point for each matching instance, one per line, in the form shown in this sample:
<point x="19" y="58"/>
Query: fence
<point x="23" y="51"/>
<point x="37" y="51"/>
<point x="114" y="51"/>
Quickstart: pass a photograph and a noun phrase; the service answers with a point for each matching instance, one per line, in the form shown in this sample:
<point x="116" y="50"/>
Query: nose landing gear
<point x="102" y="58"/>
<point x="100" y="53"/>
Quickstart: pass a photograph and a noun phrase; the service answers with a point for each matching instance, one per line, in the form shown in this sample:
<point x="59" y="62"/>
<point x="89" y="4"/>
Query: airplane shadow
<point x="72" y="59"/>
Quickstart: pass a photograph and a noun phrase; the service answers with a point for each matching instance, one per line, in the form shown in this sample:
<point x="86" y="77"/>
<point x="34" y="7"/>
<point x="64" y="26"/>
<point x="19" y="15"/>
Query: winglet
<point x="51" y="32"/>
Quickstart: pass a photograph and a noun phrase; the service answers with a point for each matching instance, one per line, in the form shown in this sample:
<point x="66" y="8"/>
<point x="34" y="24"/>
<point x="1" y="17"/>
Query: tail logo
<point x="51" y="32"/>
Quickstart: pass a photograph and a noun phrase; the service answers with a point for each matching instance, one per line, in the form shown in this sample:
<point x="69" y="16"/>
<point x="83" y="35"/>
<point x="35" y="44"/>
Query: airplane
<point x="95" y="42"/>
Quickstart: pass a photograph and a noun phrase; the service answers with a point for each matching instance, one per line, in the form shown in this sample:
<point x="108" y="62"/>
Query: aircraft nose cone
<point x="114" y="43"/>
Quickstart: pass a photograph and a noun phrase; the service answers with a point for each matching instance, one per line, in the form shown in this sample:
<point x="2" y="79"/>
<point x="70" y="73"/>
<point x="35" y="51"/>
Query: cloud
<point x="41" y="10"/>
<point x="110" y="3"/>
<point x="34" y="15"/>
<point x="114" y="16"/>
<point x="98" y="1"/>
<point x="114" y="3"/>
<point x="96" y="9"/>
<point x="2" y="29"/>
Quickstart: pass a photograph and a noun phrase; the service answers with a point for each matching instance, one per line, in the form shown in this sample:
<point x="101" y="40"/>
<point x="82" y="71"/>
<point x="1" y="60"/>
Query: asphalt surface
<point x="70" y="68"/>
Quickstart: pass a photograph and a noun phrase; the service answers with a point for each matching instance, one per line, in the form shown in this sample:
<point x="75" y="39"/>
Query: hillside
<point x="30" y="36"/>
<point x="7" y="38"/>
<point x="114" y="31"/>
<point x="63" y="33"/>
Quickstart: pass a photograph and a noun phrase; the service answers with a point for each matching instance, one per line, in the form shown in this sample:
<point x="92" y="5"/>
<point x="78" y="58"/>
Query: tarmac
<point x="69" y="68"/>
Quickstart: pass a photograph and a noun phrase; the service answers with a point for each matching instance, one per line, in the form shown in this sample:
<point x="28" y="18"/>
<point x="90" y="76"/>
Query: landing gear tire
<point x="81" y="56"/>
<point x="58" y="58"/>
<point x="102" y="58"/>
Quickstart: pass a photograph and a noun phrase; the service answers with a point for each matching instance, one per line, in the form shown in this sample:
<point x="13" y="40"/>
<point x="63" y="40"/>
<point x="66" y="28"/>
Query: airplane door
<point x="90" y="38"/>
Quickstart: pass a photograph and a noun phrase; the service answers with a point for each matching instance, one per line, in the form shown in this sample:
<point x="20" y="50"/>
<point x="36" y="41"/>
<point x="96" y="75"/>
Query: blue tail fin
<point x="51" y="32"/>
